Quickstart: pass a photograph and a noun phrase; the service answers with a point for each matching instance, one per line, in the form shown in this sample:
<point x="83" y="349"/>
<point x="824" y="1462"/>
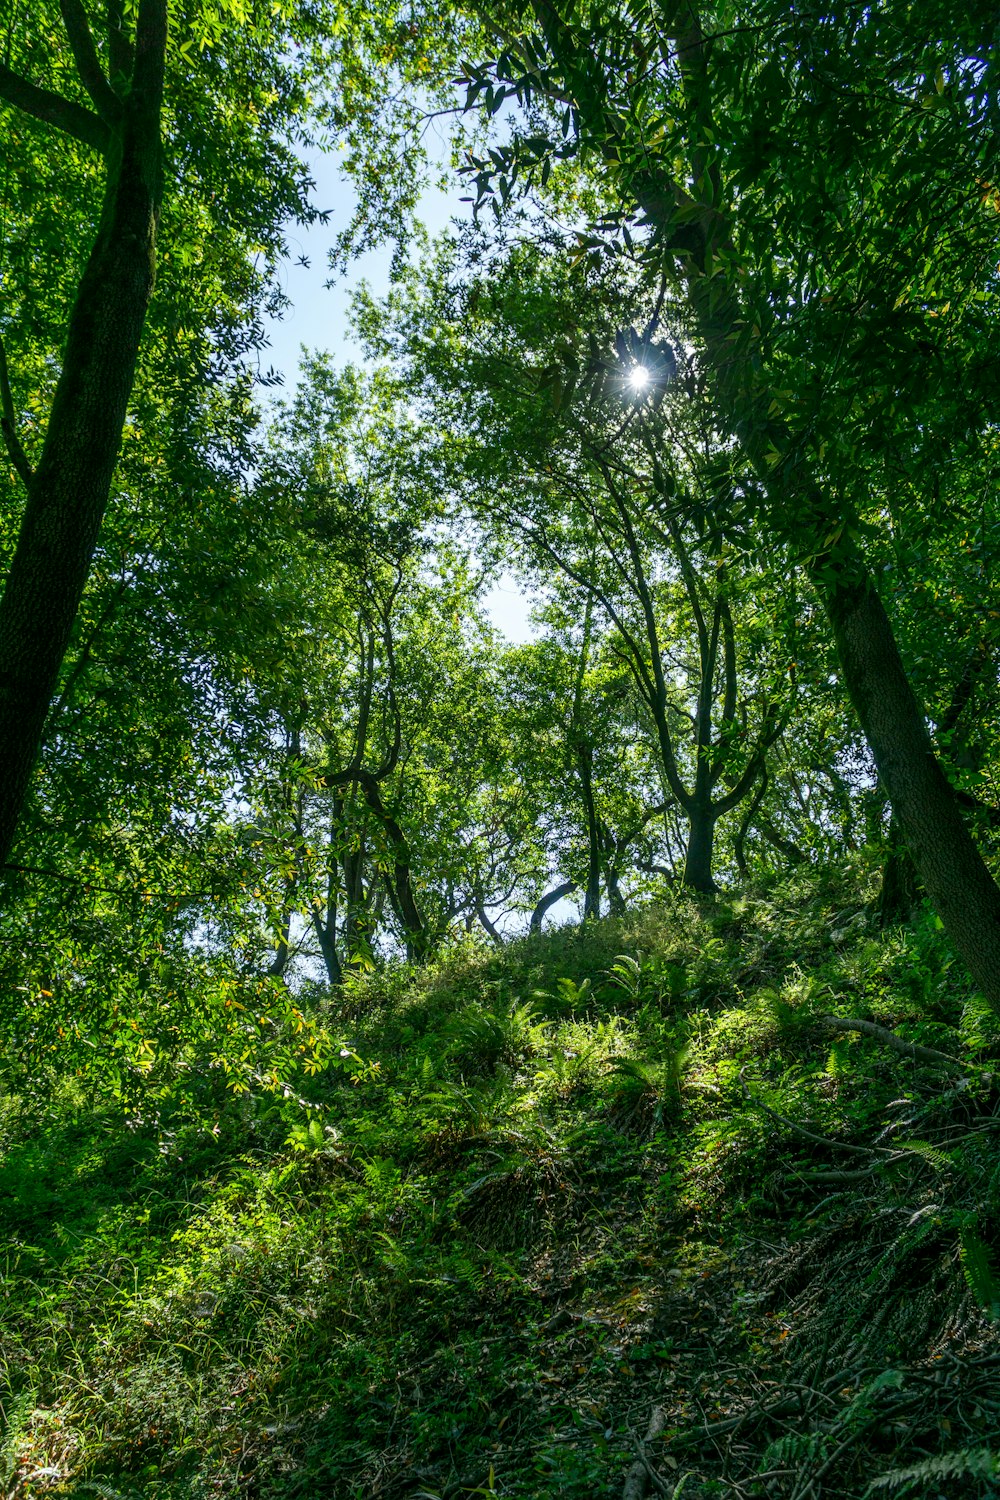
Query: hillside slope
<point x="636" y="1178"/>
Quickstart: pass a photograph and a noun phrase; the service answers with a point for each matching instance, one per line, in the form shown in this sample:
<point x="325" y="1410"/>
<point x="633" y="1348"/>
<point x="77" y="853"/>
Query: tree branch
<point x="550" y="899"/>
<point x="739" y="842"/>
<point x="53" y="109"/>
<point x="893" y="1042"/>
<point x="484" y="920"/>
<point x="120" y="55"/>
<point x="8" y="425"/>
<point x="88" y="64"/>
<point x="741" y="787"/>
<point x="729" y="660"/>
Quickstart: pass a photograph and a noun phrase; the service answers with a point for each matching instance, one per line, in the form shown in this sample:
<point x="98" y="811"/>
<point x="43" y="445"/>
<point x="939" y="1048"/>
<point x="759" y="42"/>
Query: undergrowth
<point x="533" y="1195"/>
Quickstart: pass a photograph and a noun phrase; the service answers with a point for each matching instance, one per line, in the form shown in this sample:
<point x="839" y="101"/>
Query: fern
<point x="573" y="996"/>
<point x="978" y="1272"/>
<point x="16" y="1414"/>
<point x="426" y="1078"/>
<point x="838" y="1064"/>
<point x="483" y="1039"/>
<point x="626" y="972"/>
<point x="859" y="1411"/>
<point x="937" y="1158"/>
<point x="565" y="1069"/>
<point x="638" y="1083"/>
<point x="793" y="1449"/>
<point x="967" y="1463"/>
<point x="786" y="1018"/>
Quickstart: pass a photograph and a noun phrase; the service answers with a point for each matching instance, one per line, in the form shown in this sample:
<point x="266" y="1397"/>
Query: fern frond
<point x="969" y="1463"/>
<point x="626" y="971"/>
<point x="978" y="1272"/>
<point x="793" y="1449"/>
<point x="936" y="1157"/>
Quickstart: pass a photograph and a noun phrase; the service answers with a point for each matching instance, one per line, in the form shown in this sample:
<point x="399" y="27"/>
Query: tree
<point x="614" y="493"/>
<point x="588" y="769"/>
<point x="394" y="811"/>
<point x="172" y="150"/>
<point x="68" y="490"/>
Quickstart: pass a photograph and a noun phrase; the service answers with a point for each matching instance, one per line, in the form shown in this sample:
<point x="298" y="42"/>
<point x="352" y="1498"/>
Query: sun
<point x="638" y="377"/>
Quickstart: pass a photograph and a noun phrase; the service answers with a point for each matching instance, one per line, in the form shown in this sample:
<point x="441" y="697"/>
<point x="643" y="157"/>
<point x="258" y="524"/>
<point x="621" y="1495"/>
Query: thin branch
<point x="810" y="1135"/>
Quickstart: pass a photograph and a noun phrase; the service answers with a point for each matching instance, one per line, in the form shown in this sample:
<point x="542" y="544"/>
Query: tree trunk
<point x="698" y="858"/>
<point x="899" y="895"/>
<point x="68" y="492"/>
<point x="399" y="885"/>
<point x="549" y="899"/>
<point x="327" y="937"/>
<point x="950" y="867"/>
<point x="615" y="898"/>
<point x="282" y="952"/>
<point x="355" y="931"/>
<point x="592" y="895"/>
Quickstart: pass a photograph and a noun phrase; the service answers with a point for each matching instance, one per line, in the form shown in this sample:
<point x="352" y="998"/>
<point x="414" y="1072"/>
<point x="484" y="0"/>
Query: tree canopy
<point x="706" y="370"/>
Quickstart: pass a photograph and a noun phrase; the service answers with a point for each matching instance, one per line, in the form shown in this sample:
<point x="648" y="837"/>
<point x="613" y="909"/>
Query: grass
<point x="544" y="1190"/>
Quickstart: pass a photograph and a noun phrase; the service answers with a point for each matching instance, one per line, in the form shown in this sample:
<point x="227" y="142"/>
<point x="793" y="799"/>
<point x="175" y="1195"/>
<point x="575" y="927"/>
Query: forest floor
<point x="636" y="1179"/>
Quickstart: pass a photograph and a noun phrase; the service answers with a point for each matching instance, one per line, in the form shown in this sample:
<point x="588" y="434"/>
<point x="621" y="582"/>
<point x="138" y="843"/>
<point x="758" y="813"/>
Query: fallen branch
<point x="864" y="1175"/>
<point x="810" y="1135"/>
<point x="894" y="1042"/>
<point x="642" y="1471"/>
<point x="785" y="1408"/>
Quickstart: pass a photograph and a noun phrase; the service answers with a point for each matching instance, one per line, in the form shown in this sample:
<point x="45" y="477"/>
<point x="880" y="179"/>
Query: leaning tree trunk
<point x="950" y="867"/>
<point x="549" y="899"/>
<point x="68" y="492"/>
<point x="694" y="233"/>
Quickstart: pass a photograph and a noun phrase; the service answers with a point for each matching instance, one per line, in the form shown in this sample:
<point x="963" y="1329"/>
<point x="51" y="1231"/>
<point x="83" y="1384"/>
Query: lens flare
<point x="638" y="378"/>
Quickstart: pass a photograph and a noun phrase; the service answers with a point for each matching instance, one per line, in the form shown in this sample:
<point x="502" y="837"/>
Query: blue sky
<point x="319" y="317"/>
